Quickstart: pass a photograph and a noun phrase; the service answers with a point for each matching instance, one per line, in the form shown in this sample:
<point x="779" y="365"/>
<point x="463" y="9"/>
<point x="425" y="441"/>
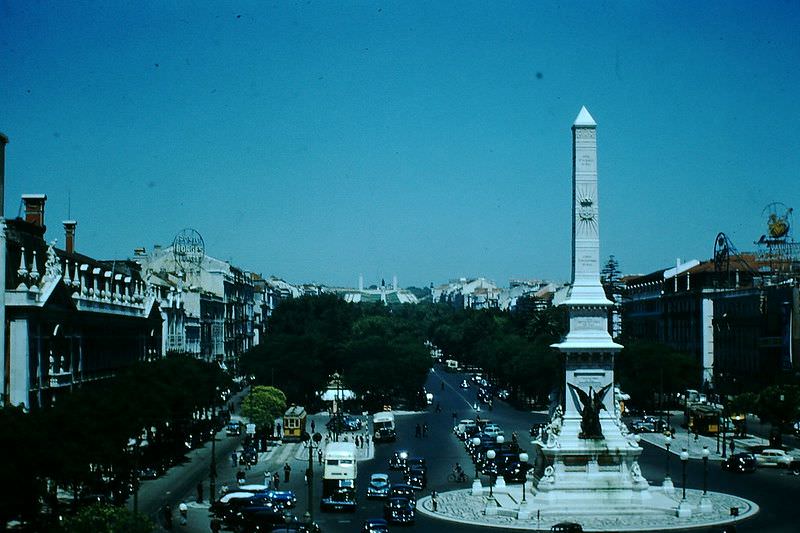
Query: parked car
<point x="378" y="486"/>
<point x="642" y="426"/>
<point x="493" y="430"/>
<point x="773" y="457"/>
<point x="399" y="510"/>
<point x="740" y="462"/>
<point x="282" y="499"/>
<point x="253" y="519"/>
<point x="375" y="525"/>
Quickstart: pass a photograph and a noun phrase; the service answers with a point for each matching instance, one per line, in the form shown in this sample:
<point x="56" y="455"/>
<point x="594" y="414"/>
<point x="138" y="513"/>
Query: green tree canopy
<point x="101" y="518"/>
<point x="263" y="405"/>
<point x="643" y="369"/>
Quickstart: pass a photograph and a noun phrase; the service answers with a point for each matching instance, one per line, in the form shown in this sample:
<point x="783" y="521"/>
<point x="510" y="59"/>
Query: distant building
<point x="480" y="293"/>
<point x="392" y="295"/>
<point x="210" y="308"/>
<point x="740" y="324"/>
<point x="70" y="318"/>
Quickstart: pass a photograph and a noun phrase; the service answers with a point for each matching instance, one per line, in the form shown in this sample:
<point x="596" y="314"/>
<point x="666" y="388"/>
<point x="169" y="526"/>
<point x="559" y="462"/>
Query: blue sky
<point x="319" y="140"/>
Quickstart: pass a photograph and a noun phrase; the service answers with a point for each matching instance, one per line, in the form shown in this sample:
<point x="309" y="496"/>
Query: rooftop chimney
<point x="34" y="208"/>
<point x="69" y="234"/>
<point x="3" y="142"/>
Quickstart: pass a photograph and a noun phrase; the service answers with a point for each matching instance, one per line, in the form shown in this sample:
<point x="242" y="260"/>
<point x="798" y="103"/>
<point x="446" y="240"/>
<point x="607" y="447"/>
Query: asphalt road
<point x="773" y="490"/>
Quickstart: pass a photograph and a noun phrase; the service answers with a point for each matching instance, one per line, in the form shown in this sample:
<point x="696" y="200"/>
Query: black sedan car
<point x="375" y="525"/>
<point x="416" y="477"/>
<point x="402" y="490"/>
<point x="740" y="462"/>
<point x="398" y="460"/>
<point x="344" y="423"/>
<point x="343" y="499"/>
<point x="399" y="510"/>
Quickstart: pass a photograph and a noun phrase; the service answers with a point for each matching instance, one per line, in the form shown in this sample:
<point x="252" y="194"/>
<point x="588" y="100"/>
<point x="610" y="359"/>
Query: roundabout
<point x="661" y="514"/>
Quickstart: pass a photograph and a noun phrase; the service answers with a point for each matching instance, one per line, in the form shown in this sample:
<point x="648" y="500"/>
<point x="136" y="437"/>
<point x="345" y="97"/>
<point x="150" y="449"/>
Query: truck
<point x="383" y="426"/>
<point x="451" y="365"/>
<point x="339" y="477"/>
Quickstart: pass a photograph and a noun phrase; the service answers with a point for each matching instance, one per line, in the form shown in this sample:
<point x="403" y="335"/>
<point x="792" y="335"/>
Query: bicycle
<point x="457" y="477"/>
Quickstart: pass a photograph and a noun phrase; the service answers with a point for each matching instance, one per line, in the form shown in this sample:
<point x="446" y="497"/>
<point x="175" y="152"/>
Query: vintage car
<point x="343" y="499"/>
<point x="398" y="460"/>
<point x="378" y="486"/>
<point x="740" y="462"/>
<point x="399" y="510"/>
<point x="375" y="525"/>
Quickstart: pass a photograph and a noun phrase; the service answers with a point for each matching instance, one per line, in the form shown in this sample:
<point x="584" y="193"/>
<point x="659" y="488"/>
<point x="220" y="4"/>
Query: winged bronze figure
<point x="591" y="404"/>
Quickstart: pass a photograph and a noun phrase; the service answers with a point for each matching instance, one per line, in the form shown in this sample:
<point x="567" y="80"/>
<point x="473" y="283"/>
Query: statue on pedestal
<point x="591" y="404"/>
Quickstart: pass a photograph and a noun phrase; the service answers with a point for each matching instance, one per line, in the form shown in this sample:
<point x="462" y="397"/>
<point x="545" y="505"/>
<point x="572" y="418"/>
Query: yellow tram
<point x="294" y="423"/>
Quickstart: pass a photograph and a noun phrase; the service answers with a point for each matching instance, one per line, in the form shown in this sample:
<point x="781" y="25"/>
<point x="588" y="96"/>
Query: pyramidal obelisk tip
<point x="584" y="118"/>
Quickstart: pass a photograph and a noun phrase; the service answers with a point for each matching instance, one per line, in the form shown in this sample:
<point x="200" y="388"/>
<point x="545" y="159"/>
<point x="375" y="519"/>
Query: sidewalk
<point x="273" y="460"/>
<point x="694" y="444"/>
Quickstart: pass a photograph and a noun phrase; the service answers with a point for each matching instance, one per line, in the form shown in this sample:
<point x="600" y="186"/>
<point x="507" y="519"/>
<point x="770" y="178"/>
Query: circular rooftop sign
<point x="188" y="249"/>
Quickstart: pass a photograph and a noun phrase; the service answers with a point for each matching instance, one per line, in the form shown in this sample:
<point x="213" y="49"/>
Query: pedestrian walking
<point x="199" y="493"/>
<point x="455" y="417"/>
<point x="276" y="480"/>
<point x="434" y="501"/>
<point x="183" y="509"/>
<point x="267" y="478"/>
<point x="367" y="442"/>
<point x="241" y="477"/>
<point x="167" y="517"/>
<point x="234" y="459"/>
<point x="442" y="384"/>
<point x="418" y="431"/>
<point x="425" y="429"/>
<point x="313" y="427"/>
<point x="319" y="455"/>
<point x="733" y="446"/>
<point x="286" y="471"/>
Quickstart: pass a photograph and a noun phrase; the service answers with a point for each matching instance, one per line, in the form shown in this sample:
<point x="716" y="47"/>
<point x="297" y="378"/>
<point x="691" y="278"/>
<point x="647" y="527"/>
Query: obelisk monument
<point x="590" y="454"/>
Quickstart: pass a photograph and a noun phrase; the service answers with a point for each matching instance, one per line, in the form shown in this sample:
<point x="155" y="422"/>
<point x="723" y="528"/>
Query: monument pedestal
<point x="477" y="488"/>
<point x="669" y="488"/>
<point x="706" y="506"/>
<point x="684" y="509"/>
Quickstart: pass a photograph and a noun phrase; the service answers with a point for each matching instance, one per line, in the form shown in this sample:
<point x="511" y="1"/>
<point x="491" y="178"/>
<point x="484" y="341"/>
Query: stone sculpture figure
<point x="591" y="404"/>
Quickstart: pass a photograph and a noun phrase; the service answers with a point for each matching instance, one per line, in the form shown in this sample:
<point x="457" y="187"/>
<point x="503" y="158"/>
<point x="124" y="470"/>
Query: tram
<point x="294" y="424"/>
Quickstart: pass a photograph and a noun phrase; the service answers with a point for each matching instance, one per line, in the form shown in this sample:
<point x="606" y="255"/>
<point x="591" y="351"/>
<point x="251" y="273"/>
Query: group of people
<point x="421" y="430"/>
<point x="273" y="480"/>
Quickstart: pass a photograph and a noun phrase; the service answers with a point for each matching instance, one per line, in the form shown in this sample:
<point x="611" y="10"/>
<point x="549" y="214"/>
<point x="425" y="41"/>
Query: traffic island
<point x="661" y="514"/>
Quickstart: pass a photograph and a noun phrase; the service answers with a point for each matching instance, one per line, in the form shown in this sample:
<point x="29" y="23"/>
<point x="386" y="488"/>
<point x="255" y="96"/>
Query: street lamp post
<point x="684" y="461"/>
<point x="476" y="442"/>
<point x="491" y="455"/>
<point x="523" y="458"/>
<point x="212" y="472"/>
<point x="684" y="509"/>
<point x="705" y="470"/>
<point x="667" y="443"/>
<point x="311" y="441"/>
<point x="705" y="503"/>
